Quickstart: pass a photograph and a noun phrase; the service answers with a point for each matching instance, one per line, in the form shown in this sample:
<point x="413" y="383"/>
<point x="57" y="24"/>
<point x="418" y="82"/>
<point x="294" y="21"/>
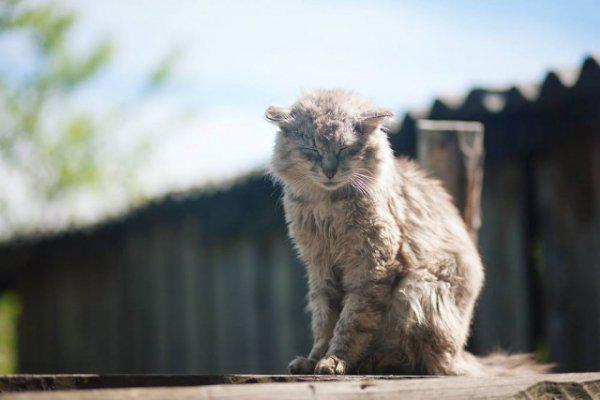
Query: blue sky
<point x="241" y="56"/>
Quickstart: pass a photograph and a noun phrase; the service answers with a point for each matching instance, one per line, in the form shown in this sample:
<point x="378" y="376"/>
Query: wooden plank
<point x="453" y="152"/>
<point x="175" y="296"/>
<point x="116" y="309"/>
<point x="568" y="182"/>
<point x="352" y="388"/>
<point x="158" y="271"/>
<point x="69" y="345"/>
<point x="282" y="333"/>
<point x="31" y="322"/>
<point x="205" y="295"/>
<point x="207" y="316"/>
<point x="293" y="321"/>
<point x="302" y="337"/>
<point x="91" y="319"/>
<point x="229" y="328"/>
<point x="50" y="338"/>
<point x="502" y="241"/>
<point x="247" y="297"/>
<point x="37" y="382"/>
<point x="268" y="361"/>
<point x="189" y="237"/>
<point x="139" y="319"/>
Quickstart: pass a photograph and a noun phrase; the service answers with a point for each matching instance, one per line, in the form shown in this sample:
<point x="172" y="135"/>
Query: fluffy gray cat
<point x="392" y="272"/>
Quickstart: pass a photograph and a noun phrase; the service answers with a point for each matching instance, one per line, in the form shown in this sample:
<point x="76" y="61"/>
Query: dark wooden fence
<point x="172" y="289"/>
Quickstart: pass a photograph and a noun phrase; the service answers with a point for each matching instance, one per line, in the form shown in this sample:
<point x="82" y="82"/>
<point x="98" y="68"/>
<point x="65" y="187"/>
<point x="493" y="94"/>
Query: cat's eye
<point x="342" y="149"/>
<point x="310" y="152"/>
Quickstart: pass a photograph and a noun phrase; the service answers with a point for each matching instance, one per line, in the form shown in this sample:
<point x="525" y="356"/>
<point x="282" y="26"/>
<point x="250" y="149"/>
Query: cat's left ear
<point x="371" y="120"/>
<point x="278" y="115"/>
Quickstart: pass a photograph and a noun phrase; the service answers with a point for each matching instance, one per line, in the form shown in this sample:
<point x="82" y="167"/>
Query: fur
<point x="393" y="275"/>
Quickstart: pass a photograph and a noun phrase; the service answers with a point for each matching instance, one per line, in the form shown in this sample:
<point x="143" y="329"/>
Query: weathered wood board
<point x="569" y="222"/>
<point x="45" y="382"/>
<point x="453" y="152"/>
<point x="562" y="386"/>
<point x="39" y="382"/>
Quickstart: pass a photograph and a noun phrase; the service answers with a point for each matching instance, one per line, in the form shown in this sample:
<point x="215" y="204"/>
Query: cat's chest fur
<point x="340" y="233"/>
<point x="320" y="226"/>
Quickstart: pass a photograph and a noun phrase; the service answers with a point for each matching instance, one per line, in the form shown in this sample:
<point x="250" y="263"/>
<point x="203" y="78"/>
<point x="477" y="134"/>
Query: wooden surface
<point x="453" y="152"/>
<point x="560" y="386"/>
<point x="37" y="382"/>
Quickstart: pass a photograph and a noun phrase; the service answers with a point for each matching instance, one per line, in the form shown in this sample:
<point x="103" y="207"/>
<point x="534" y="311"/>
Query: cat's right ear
<point x="371" y="120"/>
<point x="278" y="115"/>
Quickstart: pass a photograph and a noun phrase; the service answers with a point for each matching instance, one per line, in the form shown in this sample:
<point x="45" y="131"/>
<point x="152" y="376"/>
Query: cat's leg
<point x="301" y="366"/>
<point x="360" y="318"/>
<point x="433" y="325"/>
<point x="324" y="306"/>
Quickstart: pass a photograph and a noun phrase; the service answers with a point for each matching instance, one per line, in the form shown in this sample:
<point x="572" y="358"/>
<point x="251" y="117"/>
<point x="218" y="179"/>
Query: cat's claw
<point x="301" y="366"/>
<point x="331" y="365"/>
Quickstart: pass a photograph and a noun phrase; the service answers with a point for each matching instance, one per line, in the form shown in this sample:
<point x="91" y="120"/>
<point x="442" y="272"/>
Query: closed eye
<point x="342" y="149"/>
<point x="310" y="152"/>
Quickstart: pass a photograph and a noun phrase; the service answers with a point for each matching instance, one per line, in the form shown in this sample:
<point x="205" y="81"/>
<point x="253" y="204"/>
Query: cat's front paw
<point x="331" y="365"/>
<point x="301" y="366"/>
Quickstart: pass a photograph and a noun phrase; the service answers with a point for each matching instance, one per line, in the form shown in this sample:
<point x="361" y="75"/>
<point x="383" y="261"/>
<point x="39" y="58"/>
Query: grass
<point x="10" y="308"/>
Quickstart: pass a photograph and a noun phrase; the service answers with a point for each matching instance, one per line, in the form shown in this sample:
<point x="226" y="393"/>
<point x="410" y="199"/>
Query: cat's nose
<point x="329" y="165"/>
<point x="330" y="172"/>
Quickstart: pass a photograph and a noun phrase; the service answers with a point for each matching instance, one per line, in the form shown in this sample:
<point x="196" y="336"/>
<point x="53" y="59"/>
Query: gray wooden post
<point x="453" y="152"/>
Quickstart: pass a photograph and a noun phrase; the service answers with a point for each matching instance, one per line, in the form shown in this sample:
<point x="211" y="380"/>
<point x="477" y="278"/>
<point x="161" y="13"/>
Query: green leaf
<point x="162" y="72"/>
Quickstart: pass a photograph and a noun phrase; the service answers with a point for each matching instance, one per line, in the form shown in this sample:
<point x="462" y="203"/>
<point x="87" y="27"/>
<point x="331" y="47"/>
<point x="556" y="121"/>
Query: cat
<point x="393" y="274"/>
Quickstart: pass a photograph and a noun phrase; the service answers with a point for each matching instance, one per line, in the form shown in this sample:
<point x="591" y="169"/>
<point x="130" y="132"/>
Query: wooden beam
<point x="45" y="382"/>
<point x="568" y="386"/>
<point x="453" y="152"/>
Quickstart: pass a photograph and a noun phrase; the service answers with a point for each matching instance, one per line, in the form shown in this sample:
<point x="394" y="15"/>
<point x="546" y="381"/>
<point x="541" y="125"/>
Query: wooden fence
<point x="152" y="296"/>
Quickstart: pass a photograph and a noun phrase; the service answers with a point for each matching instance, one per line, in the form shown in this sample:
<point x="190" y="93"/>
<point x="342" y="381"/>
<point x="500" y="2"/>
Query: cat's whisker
<point x="365" y="174"/>
<point x="360" y="186"/>
<point x="362" y="183"/>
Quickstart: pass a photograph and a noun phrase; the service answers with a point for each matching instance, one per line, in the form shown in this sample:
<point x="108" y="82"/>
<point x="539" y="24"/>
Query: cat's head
<point x="328" y="139"/>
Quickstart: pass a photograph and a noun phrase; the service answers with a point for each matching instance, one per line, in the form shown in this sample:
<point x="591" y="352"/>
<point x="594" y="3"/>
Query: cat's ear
<point x="371" y="120"/>
<point x="278" y="115"/>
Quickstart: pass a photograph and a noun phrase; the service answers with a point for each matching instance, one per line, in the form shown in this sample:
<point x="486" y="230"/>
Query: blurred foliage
<point x="9" y="313"/>
<point x="54" y="145"/>
<point x="162" y="71"/>
<point x="63" y="157"/>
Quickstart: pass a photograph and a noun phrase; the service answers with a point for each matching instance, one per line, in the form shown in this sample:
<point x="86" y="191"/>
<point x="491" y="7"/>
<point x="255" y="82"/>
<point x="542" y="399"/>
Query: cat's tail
<point x="504" y="364"/>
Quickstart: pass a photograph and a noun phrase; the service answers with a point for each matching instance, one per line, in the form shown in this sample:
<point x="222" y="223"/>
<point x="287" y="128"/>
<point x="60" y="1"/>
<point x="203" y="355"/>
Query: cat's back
<point x="421" y="191"/>
<point x="420" y="188"/>
<point x="430" y="214"/>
